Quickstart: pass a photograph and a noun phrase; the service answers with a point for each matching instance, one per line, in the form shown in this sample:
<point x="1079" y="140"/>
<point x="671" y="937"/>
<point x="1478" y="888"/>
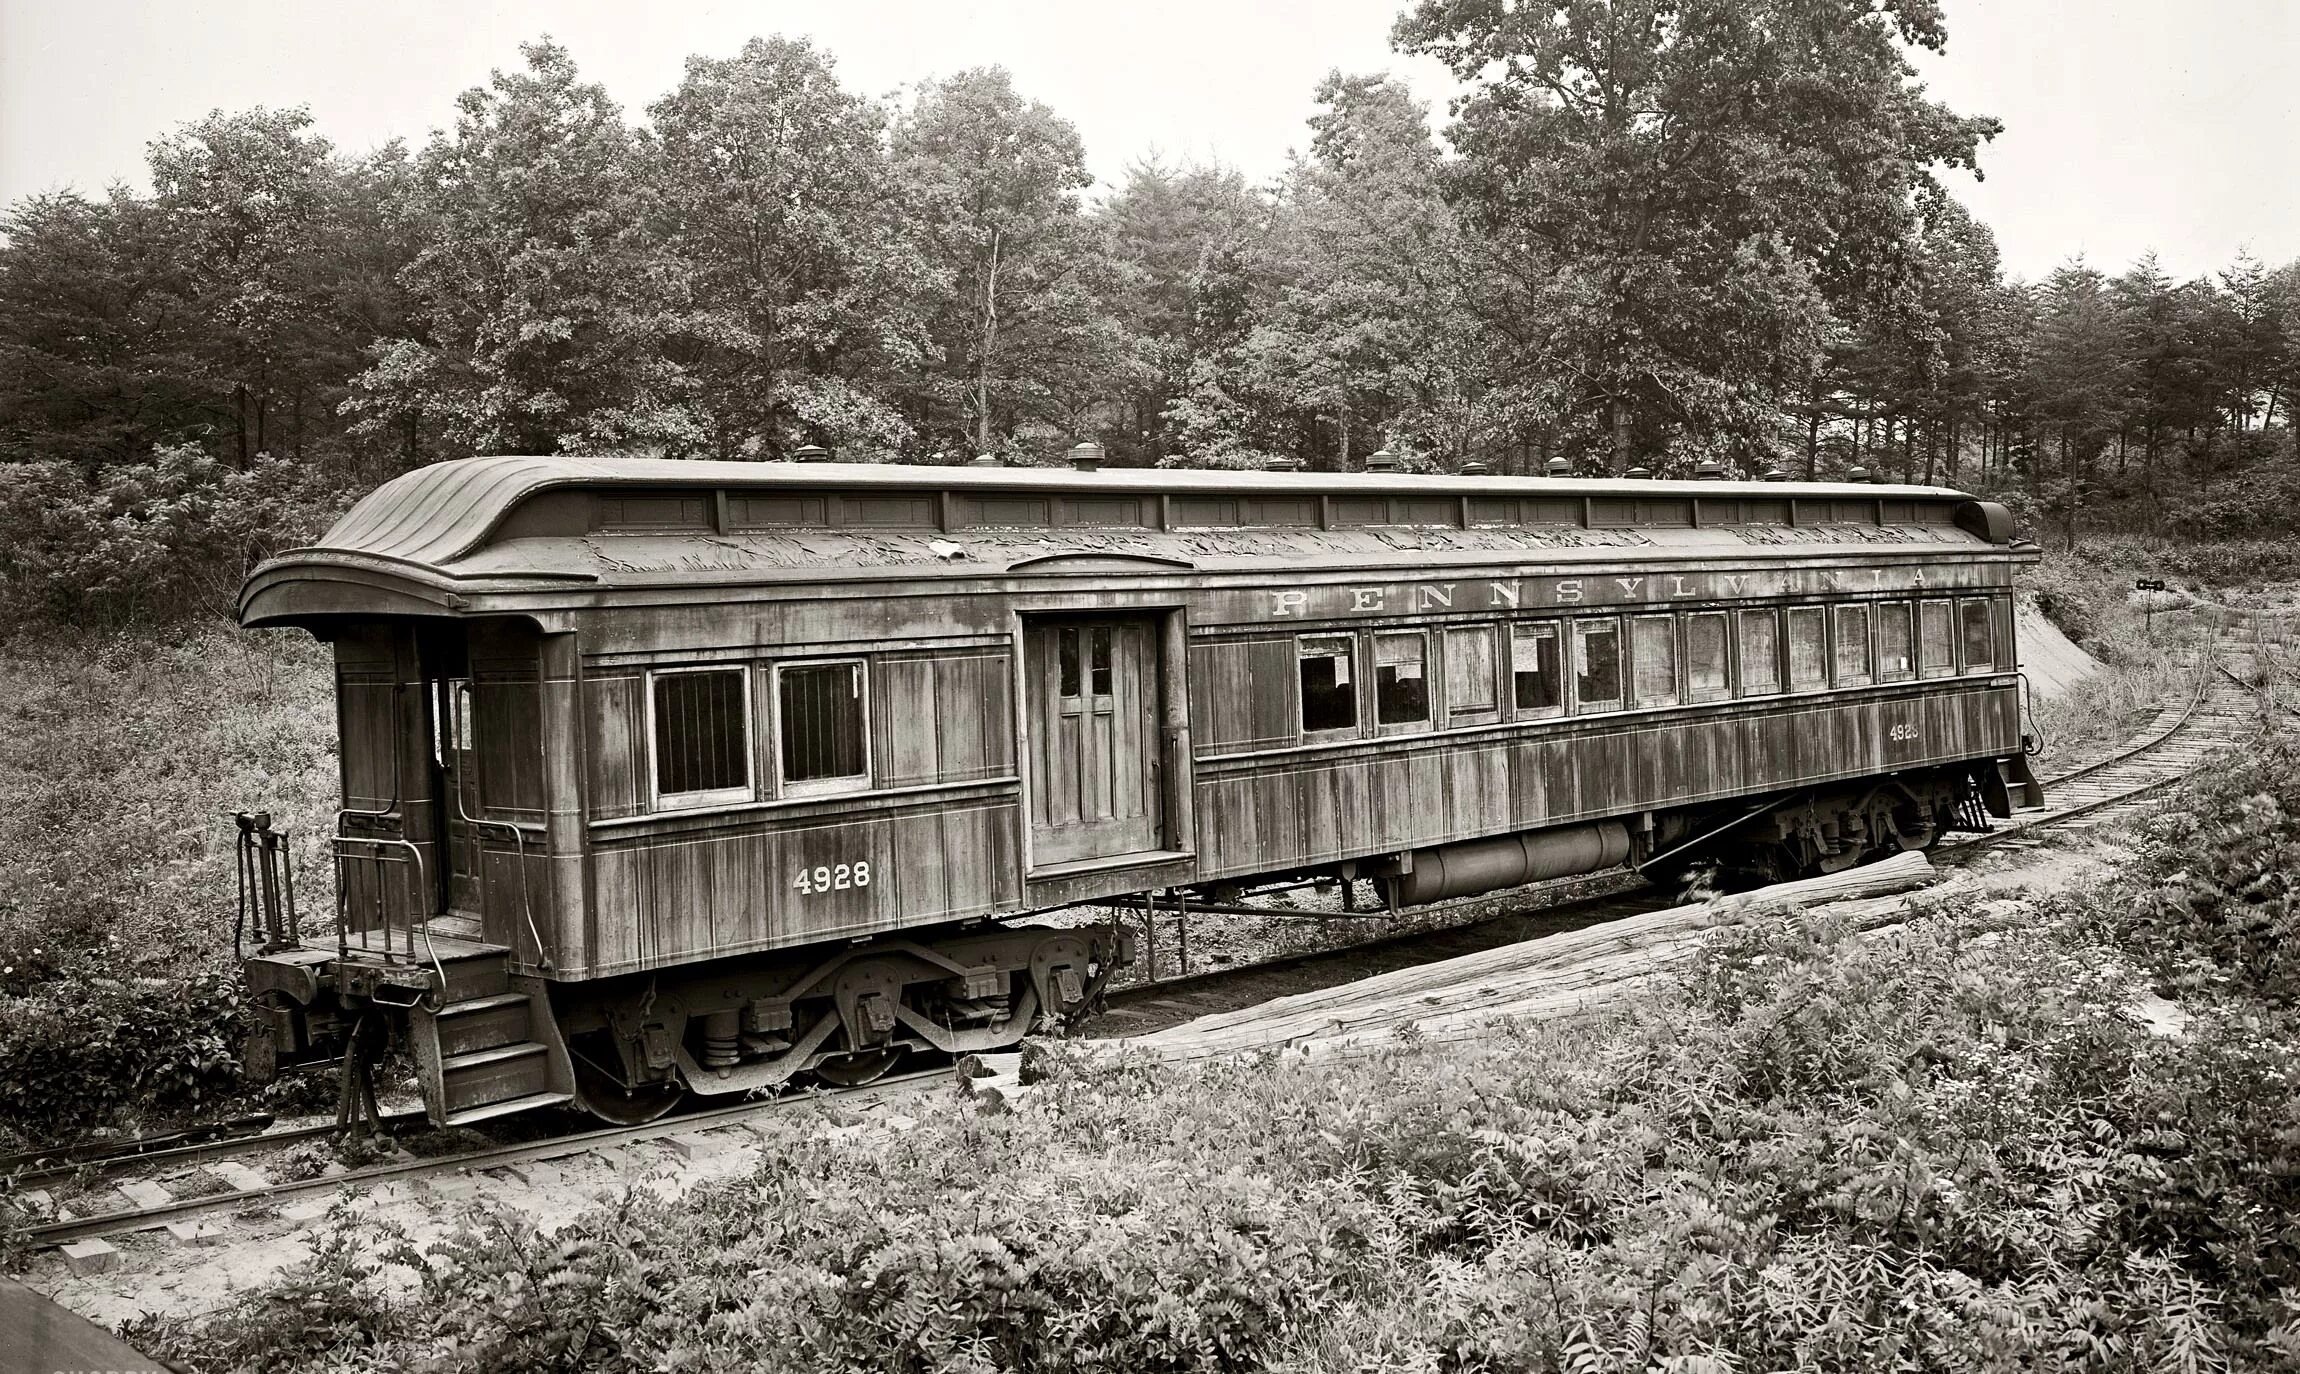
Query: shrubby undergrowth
<point x="120" y="757"/>
<point x="1952" y="1145"/>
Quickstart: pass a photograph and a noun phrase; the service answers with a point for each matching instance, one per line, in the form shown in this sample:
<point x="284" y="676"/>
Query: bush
<point x="89" y="1041"/>
<point x="158" y="541"/>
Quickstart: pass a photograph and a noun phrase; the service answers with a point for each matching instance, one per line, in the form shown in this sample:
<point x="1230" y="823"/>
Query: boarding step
<point x="498" y="1074"/>
<point x="482" y="1023"/>
<point x="509" y="1107"/>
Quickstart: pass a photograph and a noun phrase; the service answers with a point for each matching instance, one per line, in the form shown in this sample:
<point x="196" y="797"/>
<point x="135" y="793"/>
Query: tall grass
<point x="2144" y="659"/>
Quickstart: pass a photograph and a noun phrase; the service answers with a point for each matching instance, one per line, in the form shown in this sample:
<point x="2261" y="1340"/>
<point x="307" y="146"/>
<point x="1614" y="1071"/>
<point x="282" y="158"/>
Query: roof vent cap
<point x="986" y="460"/>
<point x="812" y="453"/>
<point x="1776" y="475"/>
<point x="1858" y="474"/>
<point x="1639" y="473"/>
<point x="1381" y="460"/>
<point x="1709" y="467"/>
<point x="1476" y="467"/>
<point x="1561" y="467"/>
<point x="1086" y="457"/>
<point x="1281" y="463"/>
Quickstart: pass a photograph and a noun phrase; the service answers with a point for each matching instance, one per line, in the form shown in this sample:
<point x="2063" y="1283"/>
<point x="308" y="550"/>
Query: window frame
<point x="1780" y="683"/>
<point x="1926" y="668"/>
<point x="1428" y="719"/>
<point x="1877" y="640"/>
<point x="1789" y="681"/>
<point x="1559" y="637"/>
<point x="1619" y="701"/>
<point x="1475" y="715"/>
<point x="1673" y="638"/>
<point x="1301" y="698"/>
<point x="1838" y="677"/>
<point x="1987" y="605"/>
<point x="785" y="785"/>
<point x="1725" y="662"/>
<point x="657" y="798"/>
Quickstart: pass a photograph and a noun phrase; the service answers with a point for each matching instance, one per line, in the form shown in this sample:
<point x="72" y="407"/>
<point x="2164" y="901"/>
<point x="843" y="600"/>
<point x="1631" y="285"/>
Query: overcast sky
<point x="2130" y="124"/>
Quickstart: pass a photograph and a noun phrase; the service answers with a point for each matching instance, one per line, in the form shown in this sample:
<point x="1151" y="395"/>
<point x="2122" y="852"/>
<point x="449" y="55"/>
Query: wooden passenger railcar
<point x="664" y="775"/>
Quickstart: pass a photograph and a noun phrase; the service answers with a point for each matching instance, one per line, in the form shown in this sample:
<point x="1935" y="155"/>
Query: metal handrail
<point x="414" y="861"/>
<point x="519" y="844"/>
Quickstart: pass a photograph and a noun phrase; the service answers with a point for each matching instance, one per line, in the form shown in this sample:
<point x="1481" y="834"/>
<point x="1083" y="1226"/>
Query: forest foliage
<point x="1648" y="234"/>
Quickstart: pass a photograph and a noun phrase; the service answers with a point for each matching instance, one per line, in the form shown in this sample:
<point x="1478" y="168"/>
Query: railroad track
<point x="2223" y="707"/>
<point x="182" y="1214"/>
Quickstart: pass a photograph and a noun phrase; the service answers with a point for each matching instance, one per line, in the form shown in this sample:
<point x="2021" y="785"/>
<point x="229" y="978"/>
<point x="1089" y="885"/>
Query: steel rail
<point x="494" y="1157"/>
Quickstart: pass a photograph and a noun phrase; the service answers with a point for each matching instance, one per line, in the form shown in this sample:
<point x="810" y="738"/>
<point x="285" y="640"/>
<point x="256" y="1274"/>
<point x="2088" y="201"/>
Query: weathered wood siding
<point x="1333" y="802"/>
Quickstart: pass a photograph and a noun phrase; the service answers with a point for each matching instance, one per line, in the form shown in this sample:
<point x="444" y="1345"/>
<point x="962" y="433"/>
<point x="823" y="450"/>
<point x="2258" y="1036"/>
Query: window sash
<point x="1597" y="664"/>
<point x="822" y="741"/>
<point x="1852" y="646"/>
<point x="1536" y="670"/>
<point x="1401" y="679"/>
<point x="1936" y="639"/>
<point x="1708" y="670"/>
<point x="1978" y="637"/>
<point x="1808" y="647"/>
<point x="1472" y="677"/>
<point x="1896" y="647"/>
<point x="1760" y="653"/>
<point x="1653" y="659"/>
<point x="685" y="765"/>
<point x="1329" y="693"/>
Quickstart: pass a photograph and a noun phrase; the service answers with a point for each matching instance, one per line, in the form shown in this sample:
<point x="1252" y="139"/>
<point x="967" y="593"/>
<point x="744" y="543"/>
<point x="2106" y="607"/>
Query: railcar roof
<point x="439" y="513"/>
<point x="608" y="521"/>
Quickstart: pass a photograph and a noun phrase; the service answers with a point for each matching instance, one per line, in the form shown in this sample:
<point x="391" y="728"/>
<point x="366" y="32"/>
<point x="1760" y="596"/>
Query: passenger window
<point x="1401" y="687"/>
<point x="1597" y="664"/>
<point x="1098" y="663"/>
<point x="1808" y="647"/>
<point x="1936" y="650"/>
<point x="1472" y="684"/>
<point x="1329" y="700"/>
<point x="1896" y="654"/>
<point x="1537" y="683"/>
<point x="702" y="737"/>
<point x="1706" y="677"/>
<point x="1653" y="658"/>
<point x="821" y="709"/>
<point x="1760" y="653"/>
<point x="1980" y="641"/>
<point x="1852" y="646"/>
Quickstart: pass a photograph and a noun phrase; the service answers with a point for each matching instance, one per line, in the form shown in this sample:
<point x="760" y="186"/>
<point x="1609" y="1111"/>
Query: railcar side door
<point x="1092" y="688"/>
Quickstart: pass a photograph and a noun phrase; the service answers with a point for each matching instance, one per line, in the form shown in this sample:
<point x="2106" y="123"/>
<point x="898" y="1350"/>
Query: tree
<point x="1177" y="235"/>
<point x="1019" y="323"/>
<point x="800" y="280"/>
<point x="2080" y="373"/>
<point x="1674" y="193"/>
<point x="539" y="285"/>
<point x="252" y="196"/>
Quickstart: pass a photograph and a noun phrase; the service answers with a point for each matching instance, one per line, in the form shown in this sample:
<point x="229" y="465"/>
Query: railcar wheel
<point x="617" y="1105"/>
<point x="854" y="1070"/>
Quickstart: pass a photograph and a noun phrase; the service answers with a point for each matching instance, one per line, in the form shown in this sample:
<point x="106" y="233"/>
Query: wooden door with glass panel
<point x="1092" y="687"/>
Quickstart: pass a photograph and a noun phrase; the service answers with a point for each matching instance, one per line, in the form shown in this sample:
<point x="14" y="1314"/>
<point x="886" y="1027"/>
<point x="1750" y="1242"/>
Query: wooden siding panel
<point x="614" y="716"/>
<point x="905" y="730"/>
